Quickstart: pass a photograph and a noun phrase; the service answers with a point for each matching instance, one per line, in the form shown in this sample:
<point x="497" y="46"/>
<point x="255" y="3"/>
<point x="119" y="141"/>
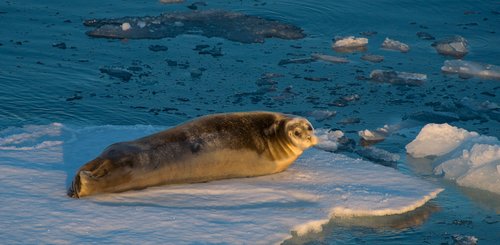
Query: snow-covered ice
<point x="350" y="43"/>
<point x="470" y="159"/>
<point x="320" y="185"/>
<point x="470" y="68"/>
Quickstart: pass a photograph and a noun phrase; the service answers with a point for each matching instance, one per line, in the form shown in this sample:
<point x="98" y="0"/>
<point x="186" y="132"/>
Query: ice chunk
<point x="455" y="46"/>
<point x="373" y="58"/>
<point x="378" y="155"/>
<point x="328" y="140"/>
<point x="469" y="68"/>
<point x="233" y="26"/>
<point x="466" y="157"/>
<point x="437" y="140"/>
<point x="319" y="185"/>
<point x="350" y="43"/>
<point x="329" y="58"/>
<point x="464" y="240"/>
<point x="425" y="36"/>
<point x="171" y="1"/>
<point x="395" y="45"/>
<point x="117" y="72"/>
<point x="125" y="26"/>
<point x="398" y="78"/>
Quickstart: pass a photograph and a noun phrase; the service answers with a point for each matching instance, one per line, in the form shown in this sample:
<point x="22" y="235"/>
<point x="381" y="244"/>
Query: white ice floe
<point x="350" y="42"/>
<point x="470" y="159"/>
<point x="469" y="68"/>
<point x="261" y="210"/>
<point x="125" y="26"/>
<point x="395" y="45"/>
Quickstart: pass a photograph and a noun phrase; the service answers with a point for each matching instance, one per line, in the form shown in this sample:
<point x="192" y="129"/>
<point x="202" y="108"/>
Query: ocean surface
<point x="55" y="75"/>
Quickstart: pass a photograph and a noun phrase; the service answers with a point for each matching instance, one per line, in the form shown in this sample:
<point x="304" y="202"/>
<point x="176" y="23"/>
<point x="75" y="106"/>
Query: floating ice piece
<point x="329" y="58"/>
<point x="437" y="140"/>
<point x="431" y="117"/>
<point x="425" y="36"/>
<point x="469" y="68"/>
<point x="171" y="1"/>
<point x="455" y="46"/>
<point x="373" y="135"/>
<point x="464" y="240"/>
<point x="349" y="44"/>
<point x="328" y="140"/>
<point x="398" y="78"/>
<point x="117" y="72"/>
<point x="378" y="155"/>
<point x="233" y="26"/>
<point x="373" y="58"/>
<point x="318" y="186"/>
<point x="296" y="61"/>
<point x="468" y="158"/>
<point x="395" y="45"/>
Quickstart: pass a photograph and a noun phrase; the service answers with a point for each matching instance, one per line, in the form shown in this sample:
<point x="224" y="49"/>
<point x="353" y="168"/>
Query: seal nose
<point x="314" y="139"/>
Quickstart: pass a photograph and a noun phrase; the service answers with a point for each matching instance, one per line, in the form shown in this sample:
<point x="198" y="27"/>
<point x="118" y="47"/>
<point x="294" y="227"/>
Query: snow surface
<point x="468" y="158"/>
<point x="34" y="208"/>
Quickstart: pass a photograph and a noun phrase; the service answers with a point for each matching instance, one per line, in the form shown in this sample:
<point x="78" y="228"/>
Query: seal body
<point x="212" y="147"/>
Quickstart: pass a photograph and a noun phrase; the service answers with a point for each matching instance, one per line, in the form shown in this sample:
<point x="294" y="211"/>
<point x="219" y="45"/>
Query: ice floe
<point x="468" y="69"/>
<point x="398" y="77"/>
<point x="268" y="209"/>
<point x="395" y="45"/>
<point x="470" y="159"/>
<point x="233" y="26"/>
<point x="349" y="44"/>
<point x="456" y="46"/>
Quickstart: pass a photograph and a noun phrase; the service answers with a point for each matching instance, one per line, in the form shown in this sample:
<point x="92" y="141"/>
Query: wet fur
<point x="213" y="147"/>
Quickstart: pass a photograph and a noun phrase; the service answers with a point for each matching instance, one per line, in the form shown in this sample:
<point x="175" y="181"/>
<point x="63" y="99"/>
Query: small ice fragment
<point x="329" y="58"/>
<point x="372" y="135"/>
<point x="425" y="36"/>
<point x="295" y="61"/>
<point x="373" y="58"/>
<point x="455" y="46"/>
<point x="395" y="45"/>
<point x="171" y="1"/>
<point x="125" y="26"/>
<point x="469" y="68"/>
<point x="178" y="24"/>
<point x="321" y="115"/>
<point x="378" y="155"/>
<point x="350" y="43"/>
<point x="398" y="78"/>
<point x="464" y="240"/>
<point x="117" y="72"/>
<point x="141" y="24"/>
<point x="328" y="140"/>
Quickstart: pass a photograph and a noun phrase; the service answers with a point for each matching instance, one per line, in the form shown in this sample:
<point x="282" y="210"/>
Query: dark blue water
<point x="43" y="84"/>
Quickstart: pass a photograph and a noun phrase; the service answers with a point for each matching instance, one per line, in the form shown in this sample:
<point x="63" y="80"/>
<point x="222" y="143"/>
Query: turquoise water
<point x="42" y="84"/>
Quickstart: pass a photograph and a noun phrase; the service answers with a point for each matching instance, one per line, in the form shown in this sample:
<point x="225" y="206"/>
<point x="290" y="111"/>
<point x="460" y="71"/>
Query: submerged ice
<point x="470" y="159"/>
<point x="233" y="26"/>
<point x="319" y="185"/>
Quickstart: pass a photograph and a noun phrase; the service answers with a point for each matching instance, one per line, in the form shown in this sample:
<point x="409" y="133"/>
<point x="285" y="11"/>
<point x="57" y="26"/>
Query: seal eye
<point x="297" y="133"/>
<point x="309" y="128"/>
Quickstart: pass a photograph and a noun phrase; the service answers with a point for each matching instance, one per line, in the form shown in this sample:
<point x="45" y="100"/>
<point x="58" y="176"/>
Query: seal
<point x="213" y="147"/>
